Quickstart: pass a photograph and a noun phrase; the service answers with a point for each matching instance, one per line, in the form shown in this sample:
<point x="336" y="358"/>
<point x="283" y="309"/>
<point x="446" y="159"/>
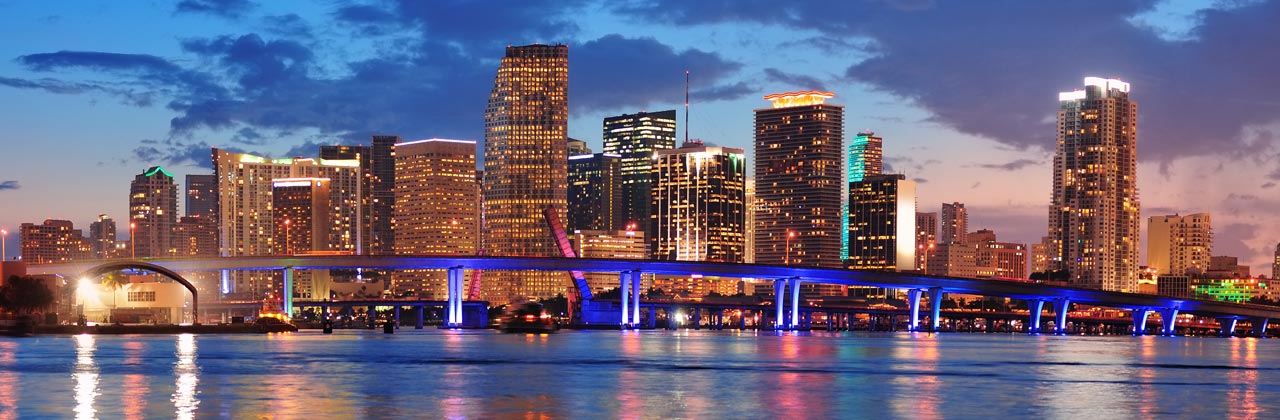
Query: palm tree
<point x="24" y="294"/>
<point x="113" y="282"/>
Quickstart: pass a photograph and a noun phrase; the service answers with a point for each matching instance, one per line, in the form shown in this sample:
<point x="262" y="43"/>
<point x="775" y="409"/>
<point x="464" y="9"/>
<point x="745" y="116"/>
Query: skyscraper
<point x="954" y="223"/>
<point x="1178" y="244"/>
<point x="595" y="196"/>
<point x="926" y="237"/>
<point x="196" y="236"/>
<point x="437" y="208"/>
<point x="865" y="158"/>
<point x="52" y="241"/>
<point x="525" y="163"/>
<point x="636" y="137"/>
<point x="882" y="223"/>
<point x="1094" y="210"/>
<point x="202" y="196"/>
<point x="102" y="237"/>
<point x="699" y="204"/>
<point x="750" y="224"/>
<point x="300" y="215"/>
<point x="798" y="150"/>
<point x="377" y="162"/>
<point x="153" y="212"/>
<point x="1275" y="264"/>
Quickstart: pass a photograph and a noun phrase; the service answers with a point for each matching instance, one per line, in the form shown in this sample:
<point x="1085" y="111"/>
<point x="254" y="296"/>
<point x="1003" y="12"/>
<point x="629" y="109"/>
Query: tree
<point x="24" y="295"/>
<point x="113" y="281"/>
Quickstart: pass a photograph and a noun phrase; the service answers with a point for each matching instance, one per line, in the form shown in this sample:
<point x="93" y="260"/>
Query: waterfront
<point x="649" y="374"/>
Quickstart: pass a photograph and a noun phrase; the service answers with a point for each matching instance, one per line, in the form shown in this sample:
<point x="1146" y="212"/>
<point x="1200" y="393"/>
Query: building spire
<point x="686" y="106"/>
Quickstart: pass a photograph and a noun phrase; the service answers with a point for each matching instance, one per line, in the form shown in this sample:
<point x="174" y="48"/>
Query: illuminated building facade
<point x="617" y="244"/>
<point x="882" y="223"/>
<point x="1178" y="245"/>
<point x="102" y="237"/>
<point x="926" y="237"/>
<point x="953" y="260"/>
<point x="153" y="211"/>
<point x="245" y="226"/>
<point x="437" y="209"/>
<point x="300" y="215"/>
<point x="377" y="162"/>
<point x="636" y="138"/>
<point x="798" y="151"/>
<point x="595" y="193"/>
<point x="525" y="165"/>
<point x="750" y="234"/>
<point x="202" y="196"/>
<point x="53" y="241"/>
<point x="998" y="259"/>
<point x="1094" y="210"/>
<point x="196" y="236"/>
<point x="955" y="223"/>
<point x="1040" y="255"/>
<point x="1237" y="289"/>
<point x="865" y="158"/>
<point x="699" y="204"/>
<point x="1275" y="264"/>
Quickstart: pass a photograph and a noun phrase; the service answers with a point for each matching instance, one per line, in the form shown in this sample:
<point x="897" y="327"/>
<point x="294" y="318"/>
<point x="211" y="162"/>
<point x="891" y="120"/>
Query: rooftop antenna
<point x="686" y="106"/>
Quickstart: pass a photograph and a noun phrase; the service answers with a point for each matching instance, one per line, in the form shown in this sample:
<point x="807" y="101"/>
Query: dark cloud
<point x="288" y="25"/>
<point x="101" y="61"/>
<point x="920" y="180"/>
<point x="797" y="81"/>
<point x="1010" y="166"/>
<point x="224" y="8"/>
<point x="652" y="71"/>
<point x="959" y="61"/>
<point x="1232" y="240"/>
<point x="9" y="185"/>
<point x="1268" y="185"/>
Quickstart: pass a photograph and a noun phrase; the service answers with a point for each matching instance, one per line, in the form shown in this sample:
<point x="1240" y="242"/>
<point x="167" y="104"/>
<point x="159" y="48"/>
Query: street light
<point x="787" y="259"/>
<point x="132" y="249"/>
<point x="4" y="253"/>
<point x="288" y="247"/>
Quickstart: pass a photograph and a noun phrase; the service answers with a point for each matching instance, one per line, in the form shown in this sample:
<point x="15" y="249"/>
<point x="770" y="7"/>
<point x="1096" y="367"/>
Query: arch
<point x="95" y="272"/>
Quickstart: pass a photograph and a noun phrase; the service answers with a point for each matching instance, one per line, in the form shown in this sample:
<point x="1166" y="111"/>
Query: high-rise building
<point x="300" y="215"/>
<point x="245" y="226"/>
<point x="1275" y="264"/>
<point x="577" y="147"/>
<point x="998" y="259"/>
<point x="595" y="194"/>
<point x="749" y="249"/>
<point x="865" y="158"/>
<point x="636" y="138"/>
<point x="525" y="165"/>
<point x="798" y="151"/>
<point x="1040" y="255"/>
<point x="699" y="204"/>
<point x="377" y="162"/>
<point x="1179" y="245"/>
<point x="202" y="196"/>
<point x="102" y="237"/>
<point x="954" y="224"/>
<point x="153" y="212"/>
<point x="53" y="241"/>
<point x="926" y="237"/>
<point x="953" y="260"/>
<point x="882" y="223"/>
<point x="1094" y="211"/>
<point x="618" y="244"/>
<point x="196" y="236"/>
<point x="437" y="209"/>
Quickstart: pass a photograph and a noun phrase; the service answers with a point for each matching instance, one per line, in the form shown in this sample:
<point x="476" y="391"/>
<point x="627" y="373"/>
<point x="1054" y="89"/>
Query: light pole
<point x="4" y="237"/>
<point x="787" y="259"/>
<point x="287" y="245"/>
<point x="132" y="249"/>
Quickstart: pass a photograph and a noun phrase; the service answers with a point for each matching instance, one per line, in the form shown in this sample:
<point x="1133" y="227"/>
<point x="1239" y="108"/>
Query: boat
<point x="528" y="317"/>
<point x="274" y="323"/>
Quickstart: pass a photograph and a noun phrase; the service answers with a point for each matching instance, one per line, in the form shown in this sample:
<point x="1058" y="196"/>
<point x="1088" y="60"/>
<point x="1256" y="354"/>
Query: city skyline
<point x="1000" y="172"/>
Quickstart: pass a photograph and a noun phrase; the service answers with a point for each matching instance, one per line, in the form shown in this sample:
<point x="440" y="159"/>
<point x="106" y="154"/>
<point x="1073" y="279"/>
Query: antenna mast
<point x="686" y="106"/>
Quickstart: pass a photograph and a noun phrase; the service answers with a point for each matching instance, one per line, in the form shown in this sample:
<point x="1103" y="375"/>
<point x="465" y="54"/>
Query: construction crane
<point x="562" y="239"/>
<point x="473" y="291"/>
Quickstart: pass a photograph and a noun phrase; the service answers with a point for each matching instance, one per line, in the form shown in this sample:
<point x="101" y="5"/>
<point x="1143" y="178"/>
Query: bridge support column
<point x="418" y="325"/>
<point x="779" y="300"/>
<point x="397" y="315"/>
<point x="635" y="298"/>
<point x="453" y="311"/>
<point x="1140" y="321"/>
<point x="795" y="304"/>
<point x="1228" y="326"/>
<point x="624" y="289"/>
<point x="913" y="306"/>
<point x="935" y="304"/>
<point x="1260" y="327"/>
<point x="286" y="293"/>
<point x="1033" y="324"/>
<point x="1060" y="307"/>
<point x="653" y="317"/>
<point x="1168" y="321"/>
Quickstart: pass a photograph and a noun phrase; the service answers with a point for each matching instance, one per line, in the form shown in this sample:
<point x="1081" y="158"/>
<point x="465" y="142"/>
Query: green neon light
<point x="154" y="169"/>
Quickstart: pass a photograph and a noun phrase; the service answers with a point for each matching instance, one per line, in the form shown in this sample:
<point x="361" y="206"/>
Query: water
<point x="651" y="374"/>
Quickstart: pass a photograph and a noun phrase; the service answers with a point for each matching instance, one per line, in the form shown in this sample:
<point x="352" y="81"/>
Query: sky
<point x="964" y="93"/>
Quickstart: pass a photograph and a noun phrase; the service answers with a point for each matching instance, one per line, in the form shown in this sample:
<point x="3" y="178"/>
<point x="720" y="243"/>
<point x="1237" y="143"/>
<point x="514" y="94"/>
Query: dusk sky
<point x="963" y="92"/>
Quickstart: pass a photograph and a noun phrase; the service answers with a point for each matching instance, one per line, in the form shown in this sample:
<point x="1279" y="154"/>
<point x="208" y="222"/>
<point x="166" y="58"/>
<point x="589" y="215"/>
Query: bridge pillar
<point x="418" y="325"/>
<point x="635" y="298"/>
<point x="1140" y="321"/>
<point x="1037" y="308"/>
<point x="935" y="304"/>
<point x="795" y="304"/>
<point x="453" y="312"/>
<point x="624" y="289"/>
<point x="1060" y="307"/>
<point x="779" y="300"/>
<point x="1228" y="326"/>
<point x="1260" y="327"/>
<point x="913" y="306"/>
<point x="742" y="319"/>
<point x="1168" y="321"/>
<point x="697" y="318"/>
<point x="653" y="317"/>
<point x="397" y="316"/>
<point x="371" y="317"/>
<point x="286" y="293"/>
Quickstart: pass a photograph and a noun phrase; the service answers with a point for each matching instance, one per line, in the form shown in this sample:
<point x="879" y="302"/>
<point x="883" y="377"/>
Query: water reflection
<point x="1242" y="382"/>
<point x="136" y="385"/>
<point x="8" y="381"/>
<point x="85" y="375"/>
<point x="187" y="373"/>
<point x="921" y="389"/>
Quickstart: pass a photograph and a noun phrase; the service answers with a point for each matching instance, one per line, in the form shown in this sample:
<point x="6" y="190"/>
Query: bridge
<point x="786" y="280"/>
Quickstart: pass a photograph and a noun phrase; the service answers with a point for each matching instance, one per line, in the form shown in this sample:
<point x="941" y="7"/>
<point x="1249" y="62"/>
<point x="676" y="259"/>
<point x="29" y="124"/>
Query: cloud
<point x="9" y="185"/>
<point x="229" y="9"/>
<point x="1010" y="166"/>
<point x="795" y="80"/>
<point x="652" y="71"/>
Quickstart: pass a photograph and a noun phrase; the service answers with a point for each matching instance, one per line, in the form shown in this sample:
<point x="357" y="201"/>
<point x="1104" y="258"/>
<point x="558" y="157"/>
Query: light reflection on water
<point x="650" y="374"/>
